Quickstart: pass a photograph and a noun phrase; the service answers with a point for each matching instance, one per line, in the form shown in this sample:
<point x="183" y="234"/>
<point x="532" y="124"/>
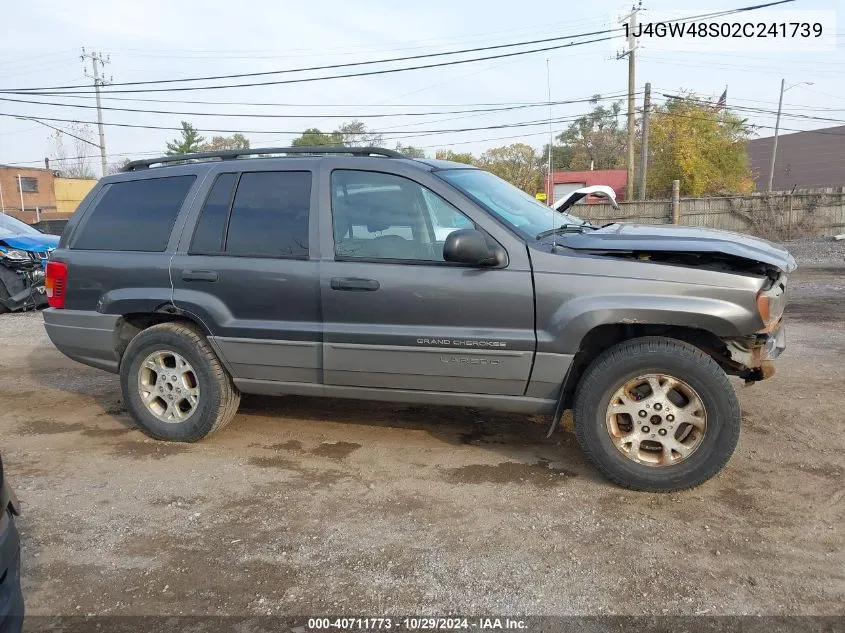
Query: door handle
<point x="199" y="275"/>
<point x="354" y="283"/>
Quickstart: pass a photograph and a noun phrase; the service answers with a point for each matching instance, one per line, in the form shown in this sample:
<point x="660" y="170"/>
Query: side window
<point x="136" y="215"/>
<point x="444" y="216"/>
<point x="269" y="215"/>
<point x="384" y="216"/>
<point x="211" y="226"/>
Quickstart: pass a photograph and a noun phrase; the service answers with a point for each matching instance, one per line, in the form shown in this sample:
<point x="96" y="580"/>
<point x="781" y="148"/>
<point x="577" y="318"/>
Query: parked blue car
<point x="23" y="257"/>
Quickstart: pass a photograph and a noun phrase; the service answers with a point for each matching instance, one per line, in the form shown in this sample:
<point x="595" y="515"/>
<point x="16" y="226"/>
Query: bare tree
<point x="117" y="166"/>
<point x="72" y="156"/>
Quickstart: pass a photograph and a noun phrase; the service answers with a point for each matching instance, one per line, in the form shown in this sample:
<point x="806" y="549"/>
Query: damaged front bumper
<point x="751" y="357"/>
<point x="24" y="287"/>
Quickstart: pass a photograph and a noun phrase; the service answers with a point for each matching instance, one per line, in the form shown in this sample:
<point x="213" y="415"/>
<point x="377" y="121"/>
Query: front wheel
<point x="656" y="414"/>
<point x="174" y="385"/>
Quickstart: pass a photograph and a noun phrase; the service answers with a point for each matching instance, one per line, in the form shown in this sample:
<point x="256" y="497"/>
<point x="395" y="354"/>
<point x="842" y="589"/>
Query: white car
<point x="600" y="191"/>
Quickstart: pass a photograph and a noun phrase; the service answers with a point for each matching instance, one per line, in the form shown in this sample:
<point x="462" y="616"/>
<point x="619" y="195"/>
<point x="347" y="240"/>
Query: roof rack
<point x="231" y="154"/>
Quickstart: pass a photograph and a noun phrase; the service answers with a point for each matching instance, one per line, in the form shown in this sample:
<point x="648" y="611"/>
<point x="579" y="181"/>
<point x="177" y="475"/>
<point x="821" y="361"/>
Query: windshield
<point x="13" y="226"/>
<point x="510" y="204"/>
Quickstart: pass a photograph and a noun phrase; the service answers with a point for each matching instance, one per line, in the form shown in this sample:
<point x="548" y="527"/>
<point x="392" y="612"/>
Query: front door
<point x="396" y="315"/>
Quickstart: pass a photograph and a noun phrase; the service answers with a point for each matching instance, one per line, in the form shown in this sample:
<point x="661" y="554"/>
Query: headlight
<point x="772" y="302"/>
<point x="14" y="254"/>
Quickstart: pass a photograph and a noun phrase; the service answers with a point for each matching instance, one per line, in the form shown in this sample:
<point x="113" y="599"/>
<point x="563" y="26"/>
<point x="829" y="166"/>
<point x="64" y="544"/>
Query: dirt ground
<point x="306" y="506"/>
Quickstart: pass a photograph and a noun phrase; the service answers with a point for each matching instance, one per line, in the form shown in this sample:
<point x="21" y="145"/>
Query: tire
<point x="202" y="376"/>
<point x="705" y="445"/>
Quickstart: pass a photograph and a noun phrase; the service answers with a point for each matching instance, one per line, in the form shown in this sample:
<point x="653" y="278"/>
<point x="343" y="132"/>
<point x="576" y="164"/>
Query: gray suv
<point x="360" y="273"/>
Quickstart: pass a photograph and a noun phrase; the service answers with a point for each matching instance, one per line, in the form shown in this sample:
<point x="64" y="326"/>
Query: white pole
<point x="2" y="206"/>
<point x="775" y="141"/>
<point x="551" y="195"/>
<point x="20" y="188"/>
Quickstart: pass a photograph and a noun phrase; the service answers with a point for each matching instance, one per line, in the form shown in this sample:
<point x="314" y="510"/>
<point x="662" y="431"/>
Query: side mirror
<point x="469" y="246"/>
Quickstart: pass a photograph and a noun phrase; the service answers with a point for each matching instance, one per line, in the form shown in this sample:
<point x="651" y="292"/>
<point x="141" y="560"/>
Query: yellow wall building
<point x="70" y="192"/>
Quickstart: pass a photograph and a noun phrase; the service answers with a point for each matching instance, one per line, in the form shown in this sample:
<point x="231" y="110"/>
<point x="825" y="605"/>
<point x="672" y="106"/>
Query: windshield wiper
<point x="566" y="228"/>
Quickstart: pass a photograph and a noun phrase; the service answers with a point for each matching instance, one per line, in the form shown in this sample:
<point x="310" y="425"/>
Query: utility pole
<point x="632" y="64"/>
<point x="775" y="145"/>
<point x="97" y="58"/>
<point x="783" y="88"/>
<point x="644" y="148"/>
<point x="676" y="202"/>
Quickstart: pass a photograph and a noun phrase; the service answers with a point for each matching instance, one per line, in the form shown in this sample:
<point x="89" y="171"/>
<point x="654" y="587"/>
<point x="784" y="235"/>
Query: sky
<point x="168" y="39"/>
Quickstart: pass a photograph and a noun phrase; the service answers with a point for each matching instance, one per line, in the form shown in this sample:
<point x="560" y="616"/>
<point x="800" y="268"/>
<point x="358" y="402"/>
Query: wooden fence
<point x="779" y="216"/>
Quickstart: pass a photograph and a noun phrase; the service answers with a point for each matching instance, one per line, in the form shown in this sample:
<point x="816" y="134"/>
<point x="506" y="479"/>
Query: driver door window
<point x="379" y="216"/>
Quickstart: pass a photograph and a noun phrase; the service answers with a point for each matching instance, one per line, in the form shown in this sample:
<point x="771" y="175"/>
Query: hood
<point x="34" y="243"/>
<point x="599" y="191"/>
<point x="651" y="238"/>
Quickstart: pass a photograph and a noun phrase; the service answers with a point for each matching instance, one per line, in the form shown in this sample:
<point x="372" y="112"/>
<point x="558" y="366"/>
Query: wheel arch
<point x="604" y="336"/>
<point x="133" y="323"/>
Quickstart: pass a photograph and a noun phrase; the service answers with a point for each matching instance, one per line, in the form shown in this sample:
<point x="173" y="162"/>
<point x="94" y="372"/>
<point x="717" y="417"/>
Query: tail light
<point x="55" y="284"/>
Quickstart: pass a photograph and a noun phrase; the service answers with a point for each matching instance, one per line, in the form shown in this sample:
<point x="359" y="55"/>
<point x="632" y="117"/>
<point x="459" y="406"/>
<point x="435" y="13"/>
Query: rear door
<point x="244" y="268"/>
<point x="397" y="315"/>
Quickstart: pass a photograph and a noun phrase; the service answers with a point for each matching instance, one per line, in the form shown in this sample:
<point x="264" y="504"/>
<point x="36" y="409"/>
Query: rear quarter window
<point x="136" y="215"/>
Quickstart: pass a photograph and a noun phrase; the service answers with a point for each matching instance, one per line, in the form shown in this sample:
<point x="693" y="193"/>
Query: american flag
<point x="723" y="100"/>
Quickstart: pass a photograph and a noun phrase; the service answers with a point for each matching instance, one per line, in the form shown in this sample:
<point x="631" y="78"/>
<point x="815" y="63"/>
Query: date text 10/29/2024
<point x="416" y="624"/>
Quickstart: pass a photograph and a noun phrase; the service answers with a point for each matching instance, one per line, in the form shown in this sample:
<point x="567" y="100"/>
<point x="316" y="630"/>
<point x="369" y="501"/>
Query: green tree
<point x="410" y="151"/>
<point x="313" y="137"/>
<point x="457" y="157"/>
<point x="189" y="142"/>
<point x="356" y="134"/>
<point x="218" y="143"/>
<point x="515" y="163"/>
<point x="562" y="156"/>
<point x="699" y="144"/>
<point x="595" y="140"/>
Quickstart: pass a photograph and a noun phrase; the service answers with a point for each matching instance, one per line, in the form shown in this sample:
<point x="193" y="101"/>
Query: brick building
<point x="28" y="193"/>
<point x="567" y="181"/>
<point x="45" y="196"/>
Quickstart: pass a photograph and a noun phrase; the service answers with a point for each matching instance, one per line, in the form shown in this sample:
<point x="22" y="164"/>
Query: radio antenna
<point x="551" y="195"/>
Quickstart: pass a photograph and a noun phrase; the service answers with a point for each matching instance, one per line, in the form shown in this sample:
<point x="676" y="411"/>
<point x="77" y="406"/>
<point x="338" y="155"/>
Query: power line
<point x="18" y="60"/>
<point x="748" y="109"/>
<point x="49" y="90"/>
<point x="228" y="131"/>
<point x="823" y="131"/>
<point x="761" y="69"/>
<point x="333" y="66"/>
<point x="306" y="105"/>
<point x="53" y="92"/>
<point x="318" y="116"/>
<point x="228" y="53"/>
<point x="453" y="144"/>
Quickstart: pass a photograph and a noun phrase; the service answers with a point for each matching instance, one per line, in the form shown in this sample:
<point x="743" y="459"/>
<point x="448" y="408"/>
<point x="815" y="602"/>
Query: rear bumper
<point x="84" y="336"/>
<point x="11" y="598"/>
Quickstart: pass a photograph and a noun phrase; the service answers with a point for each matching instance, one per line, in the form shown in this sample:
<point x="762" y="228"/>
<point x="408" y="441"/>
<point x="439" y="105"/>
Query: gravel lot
<point x="306" y="506"/>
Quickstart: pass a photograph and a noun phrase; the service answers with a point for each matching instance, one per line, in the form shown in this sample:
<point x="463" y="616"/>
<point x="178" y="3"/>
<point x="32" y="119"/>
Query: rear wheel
<point x="174" y="386"/>
<point x="656" y="414"/>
